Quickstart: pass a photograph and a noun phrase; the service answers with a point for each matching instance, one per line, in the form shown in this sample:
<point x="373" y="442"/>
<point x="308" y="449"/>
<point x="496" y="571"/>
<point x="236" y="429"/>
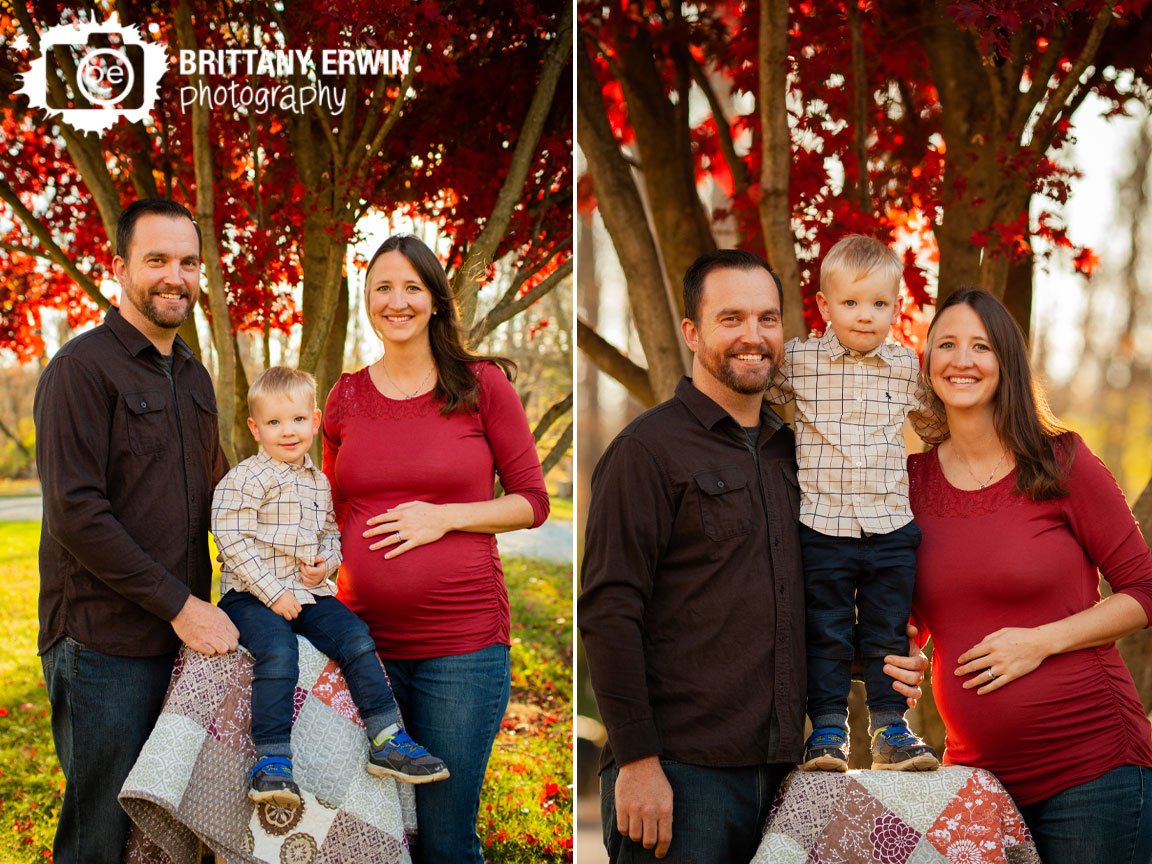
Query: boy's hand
<point x="314" y="574"/>
<point x="286" y="606"/>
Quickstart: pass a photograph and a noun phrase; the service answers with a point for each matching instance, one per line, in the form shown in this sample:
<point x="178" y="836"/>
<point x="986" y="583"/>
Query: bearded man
<point x="129" y="452"/>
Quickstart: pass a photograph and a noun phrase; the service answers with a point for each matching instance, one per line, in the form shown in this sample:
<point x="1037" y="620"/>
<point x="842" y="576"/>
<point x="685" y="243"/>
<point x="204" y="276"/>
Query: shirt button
<point x="143" y="404"/>
<point x="719" y="484"/>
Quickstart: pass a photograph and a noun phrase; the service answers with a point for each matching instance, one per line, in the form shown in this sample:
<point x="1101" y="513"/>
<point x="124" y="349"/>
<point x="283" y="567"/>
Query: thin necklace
<point x="971" y="473"/>
<point x="399" y="389"/>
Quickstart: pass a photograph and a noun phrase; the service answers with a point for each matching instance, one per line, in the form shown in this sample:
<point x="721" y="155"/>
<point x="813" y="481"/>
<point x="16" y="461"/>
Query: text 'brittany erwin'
<point x="284" y="63"/>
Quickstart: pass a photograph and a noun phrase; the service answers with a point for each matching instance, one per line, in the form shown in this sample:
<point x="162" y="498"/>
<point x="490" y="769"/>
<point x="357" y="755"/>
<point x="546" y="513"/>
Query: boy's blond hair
<point x="280" y="381"/>
<point x="857" y="256"/>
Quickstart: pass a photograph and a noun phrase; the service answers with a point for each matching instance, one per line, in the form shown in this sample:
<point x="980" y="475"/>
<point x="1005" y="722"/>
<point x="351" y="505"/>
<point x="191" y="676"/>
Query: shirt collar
<point x="836" y="349"/>
<point x="133" y="340"/>
<point x="709" y="413"/>
<point x="263" y="458"/>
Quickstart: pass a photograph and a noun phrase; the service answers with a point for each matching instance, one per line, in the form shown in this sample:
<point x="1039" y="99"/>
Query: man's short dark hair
<point x="126" y="224"/>
<point x="721" y="259"/>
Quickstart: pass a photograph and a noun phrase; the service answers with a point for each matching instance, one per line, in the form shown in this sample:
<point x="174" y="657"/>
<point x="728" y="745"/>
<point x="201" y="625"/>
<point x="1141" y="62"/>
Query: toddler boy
<point x="272" y="517"/>
<point x="853" y="390"/>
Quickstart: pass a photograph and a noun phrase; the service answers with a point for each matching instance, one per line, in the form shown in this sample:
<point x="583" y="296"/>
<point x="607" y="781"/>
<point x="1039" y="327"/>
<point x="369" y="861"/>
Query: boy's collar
<point x="836" y="349"/>
<point x="287" y="466"/>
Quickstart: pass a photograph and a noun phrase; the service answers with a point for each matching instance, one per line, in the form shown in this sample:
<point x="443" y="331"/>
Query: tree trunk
<point x="680" y="225"/>
<point x="333" y="360"/>
<point x="1018" y="293"/>
<point x="626" y="222"/>
<point x="776" y="160"/>
<point x="222" y="337"/>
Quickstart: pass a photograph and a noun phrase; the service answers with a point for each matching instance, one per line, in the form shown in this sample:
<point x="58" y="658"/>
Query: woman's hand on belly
<point x="408" y="525"/>
<point x="1002" y="657"/>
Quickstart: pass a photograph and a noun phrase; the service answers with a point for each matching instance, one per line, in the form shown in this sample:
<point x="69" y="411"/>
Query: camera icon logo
<point x="91" y="75"/>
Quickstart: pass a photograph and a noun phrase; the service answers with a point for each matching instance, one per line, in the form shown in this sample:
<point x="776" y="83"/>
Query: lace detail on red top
<point x="931" y="494"/>
<point x="358" y="397"/>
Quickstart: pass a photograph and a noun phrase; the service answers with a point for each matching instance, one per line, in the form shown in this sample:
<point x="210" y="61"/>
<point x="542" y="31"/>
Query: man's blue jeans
<point x="718" y="814"/>
<point x="857" y="592"/>
<point x="1104" y="821"/>
<point x="103" y="710"/>
<point x="454" y="707"/>
<point x="336" y="631"/>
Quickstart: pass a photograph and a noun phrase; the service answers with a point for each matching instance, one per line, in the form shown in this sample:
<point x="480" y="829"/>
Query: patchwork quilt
<point x="189" y="785"/>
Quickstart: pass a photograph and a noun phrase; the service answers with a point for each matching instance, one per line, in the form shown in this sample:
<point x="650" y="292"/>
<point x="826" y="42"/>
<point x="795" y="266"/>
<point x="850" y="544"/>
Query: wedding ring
<point x="991" y="674"/>
<point x="397" y="537"/>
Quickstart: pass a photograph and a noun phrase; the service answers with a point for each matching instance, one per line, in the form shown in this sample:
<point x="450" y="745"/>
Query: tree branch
<point x="553" y="414"/>
<point x="363" y="153"/>
<point x="723" y="129"/>
<point x="1027" y="102"/>
<point x="558" y="451"/>
<point x="483" y="249"/>
<point x="506" y="311"/>
<point x="1056" y="103"/>
<point x="611" y="360"/>
<point x="51" y="250"/>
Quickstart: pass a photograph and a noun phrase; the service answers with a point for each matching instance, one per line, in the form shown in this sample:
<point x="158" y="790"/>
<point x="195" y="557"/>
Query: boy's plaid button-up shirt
<point x="269" y="517"/>
<point x="850" y="411"/>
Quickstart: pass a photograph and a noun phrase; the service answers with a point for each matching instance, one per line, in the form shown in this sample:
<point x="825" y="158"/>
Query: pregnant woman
<point x="1019" y="518"/>
<point x="412" y="445"/>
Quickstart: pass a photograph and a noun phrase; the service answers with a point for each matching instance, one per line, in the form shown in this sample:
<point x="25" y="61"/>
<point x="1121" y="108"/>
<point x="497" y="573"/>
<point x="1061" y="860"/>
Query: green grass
<point x="30" y="779"/>
<point x="526" y="808"/>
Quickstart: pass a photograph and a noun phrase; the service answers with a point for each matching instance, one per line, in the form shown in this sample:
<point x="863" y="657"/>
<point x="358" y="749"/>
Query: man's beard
<point x="747" y="382"/>
<point x="151" y="310"/>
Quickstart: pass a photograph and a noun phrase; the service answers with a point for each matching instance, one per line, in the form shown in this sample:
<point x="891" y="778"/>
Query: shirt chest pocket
<point x="147" y="420"/>
<point x="725" y="503"/>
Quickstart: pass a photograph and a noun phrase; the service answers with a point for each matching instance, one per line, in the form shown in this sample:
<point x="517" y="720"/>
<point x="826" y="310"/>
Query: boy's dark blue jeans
<point x="335" y="631"/>
<point x="858" y="594"/>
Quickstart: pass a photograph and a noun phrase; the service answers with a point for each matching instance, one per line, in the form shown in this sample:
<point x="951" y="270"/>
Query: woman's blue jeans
<point x="103" y="710"/>
<point x="454" y="707"/>
<point x="718" y="814"/>
<point x="1104" y="821"/>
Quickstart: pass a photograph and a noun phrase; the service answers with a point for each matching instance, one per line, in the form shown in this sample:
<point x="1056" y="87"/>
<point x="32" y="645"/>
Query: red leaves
<point x="1086" y="262"/>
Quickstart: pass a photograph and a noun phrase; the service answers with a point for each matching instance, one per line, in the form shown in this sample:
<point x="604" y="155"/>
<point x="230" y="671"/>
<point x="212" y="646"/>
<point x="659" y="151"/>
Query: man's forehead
<point x="745" y="288"/>
<point x="155" y="230"/>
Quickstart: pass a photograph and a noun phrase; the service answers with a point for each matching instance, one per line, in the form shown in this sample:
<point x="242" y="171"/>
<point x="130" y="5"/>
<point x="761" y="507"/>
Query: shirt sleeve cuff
<point x="634" y="741"/>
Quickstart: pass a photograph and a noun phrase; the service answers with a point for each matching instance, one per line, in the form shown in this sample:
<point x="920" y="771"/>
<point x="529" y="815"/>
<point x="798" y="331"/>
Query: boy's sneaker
<point x="826" y="750"/>
<point x="403" y="759"/>
<point x="895" y="748"/>
<point x="270" y="782"/>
